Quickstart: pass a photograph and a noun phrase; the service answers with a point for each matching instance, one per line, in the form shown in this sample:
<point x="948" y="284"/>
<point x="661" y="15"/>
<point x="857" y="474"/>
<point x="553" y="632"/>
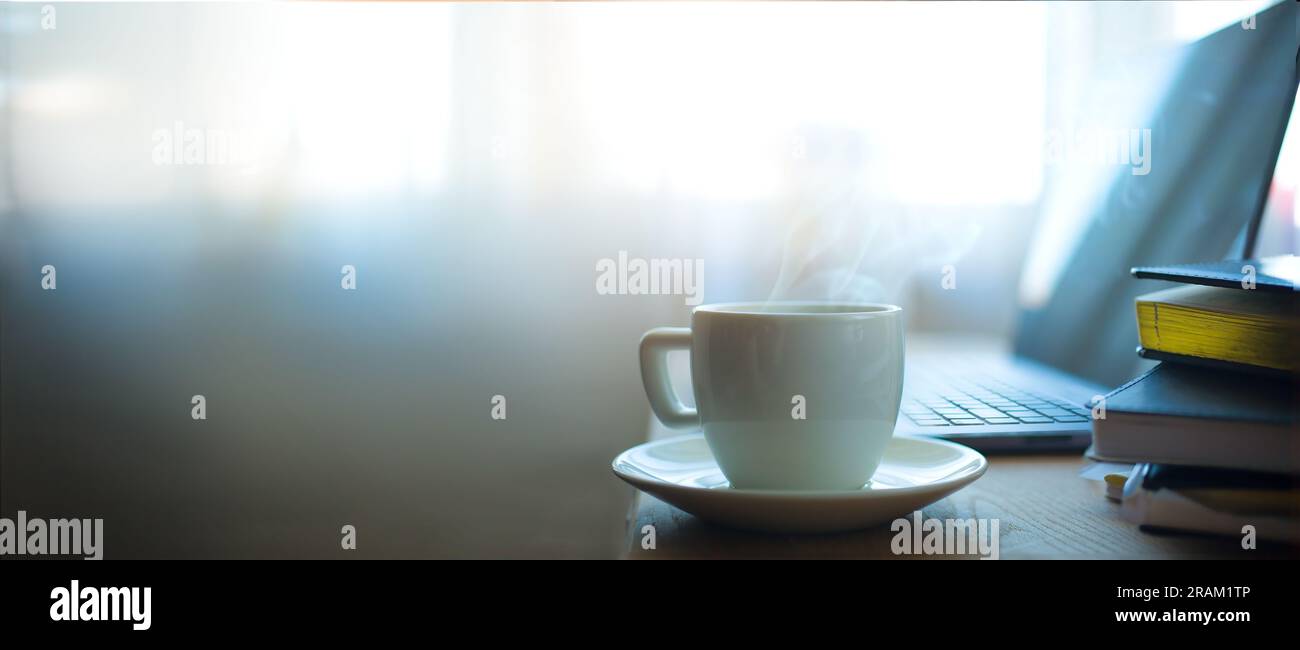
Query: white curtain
<point x="855" y="146"/>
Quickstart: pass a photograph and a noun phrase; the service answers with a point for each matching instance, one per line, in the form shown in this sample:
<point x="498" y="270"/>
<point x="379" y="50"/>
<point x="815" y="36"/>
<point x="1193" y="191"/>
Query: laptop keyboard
<point x="988" y="403"/>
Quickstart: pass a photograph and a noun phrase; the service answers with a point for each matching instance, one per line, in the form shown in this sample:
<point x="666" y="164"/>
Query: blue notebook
<point x="1189" y="415"/>
<point x="1271" y="274"/>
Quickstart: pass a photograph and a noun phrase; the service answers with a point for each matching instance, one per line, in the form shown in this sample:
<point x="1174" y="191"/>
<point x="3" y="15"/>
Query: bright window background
<point x="315" y="100"/>
<point x="712" y="103"/>
<point x="910" y="135"/>
<point x="709" y="100"/>
<point x="1280" y="229"/>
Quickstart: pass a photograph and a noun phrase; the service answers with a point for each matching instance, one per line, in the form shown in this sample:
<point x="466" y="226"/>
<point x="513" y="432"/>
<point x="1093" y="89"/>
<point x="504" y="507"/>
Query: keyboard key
<point x="965" y="421"/>
<point x="1035" y="419"/>
<point x="1070" y="418"/>
<point x="1053" y="412"/>
<point x="1001" y="420"/>
<point x="986" y="413"/>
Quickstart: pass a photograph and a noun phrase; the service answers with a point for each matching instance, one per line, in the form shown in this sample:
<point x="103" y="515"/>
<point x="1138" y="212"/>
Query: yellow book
<point x="1235" y="325"/>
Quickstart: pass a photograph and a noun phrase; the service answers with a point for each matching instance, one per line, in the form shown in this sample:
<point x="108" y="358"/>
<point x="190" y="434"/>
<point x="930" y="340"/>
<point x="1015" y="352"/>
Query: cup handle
<point x="665" y="403"/>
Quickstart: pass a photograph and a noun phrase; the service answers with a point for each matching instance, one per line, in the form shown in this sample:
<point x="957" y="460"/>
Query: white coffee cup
<point x="758" y="367"/>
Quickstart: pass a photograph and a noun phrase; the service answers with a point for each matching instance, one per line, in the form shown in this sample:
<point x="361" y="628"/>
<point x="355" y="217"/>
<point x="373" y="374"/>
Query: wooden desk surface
<point x="1046" y="510"/>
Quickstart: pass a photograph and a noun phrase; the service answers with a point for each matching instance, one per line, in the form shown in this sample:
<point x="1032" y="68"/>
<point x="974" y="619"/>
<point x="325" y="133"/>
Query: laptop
<point x="994" y="401"/>
<point x="1216" y="138"/>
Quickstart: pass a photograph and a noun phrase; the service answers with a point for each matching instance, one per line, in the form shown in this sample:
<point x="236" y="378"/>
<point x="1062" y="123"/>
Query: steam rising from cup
<point x="847" y="242"/>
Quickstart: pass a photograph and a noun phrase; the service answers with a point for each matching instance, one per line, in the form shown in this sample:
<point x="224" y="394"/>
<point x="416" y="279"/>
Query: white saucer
<point x="914" y="473"/>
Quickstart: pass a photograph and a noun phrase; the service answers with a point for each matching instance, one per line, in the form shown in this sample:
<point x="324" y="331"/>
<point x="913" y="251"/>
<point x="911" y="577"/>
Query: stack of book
<point x="1212" y="428"/>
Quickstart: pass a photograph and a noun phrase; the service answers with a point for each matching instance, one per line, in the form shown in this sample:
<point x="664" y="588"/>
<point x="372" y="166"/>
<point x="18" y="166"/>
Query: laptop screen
<point x="1213" y="133"/>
